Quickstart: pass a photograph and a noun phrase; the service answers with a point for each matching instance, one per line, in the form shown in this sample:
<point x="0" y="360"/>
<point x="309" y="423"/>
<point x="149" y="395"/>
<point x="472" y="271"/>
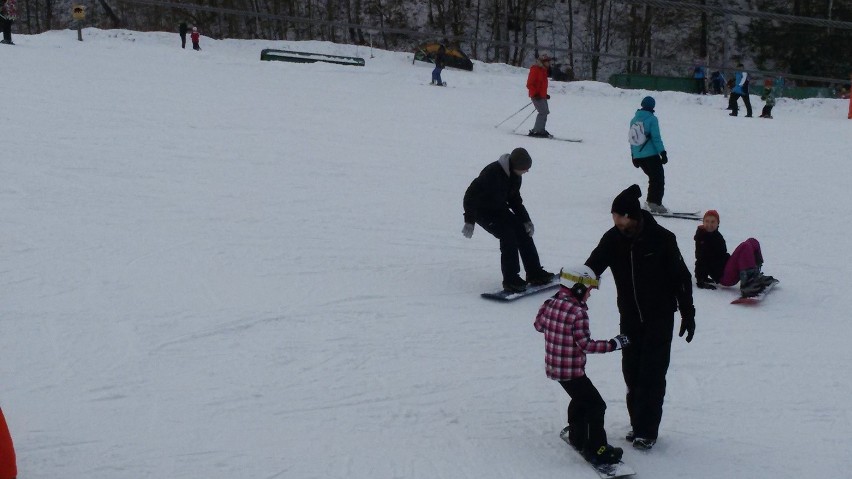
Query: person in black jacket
<point x="652" y="282"/>
<point x="711" y="252"/>
<point x="493" y="200"/>
<point x="182" y="30"/>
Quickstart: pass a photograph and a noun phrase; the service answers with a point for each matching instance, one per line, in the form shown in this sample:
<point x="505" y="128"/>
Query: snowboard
<point x="605" y="471"/>
<point x="756" y="298"/>
<point x="506" y="296"/>
<point x="684" y="215"/>
<point x="551" y="137"/>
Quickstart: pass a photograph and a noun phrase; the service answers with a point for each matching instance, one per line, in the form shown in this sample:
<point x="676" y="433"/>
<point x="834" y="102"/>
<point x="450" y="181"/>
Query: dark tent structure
<point x="455" y="58"/>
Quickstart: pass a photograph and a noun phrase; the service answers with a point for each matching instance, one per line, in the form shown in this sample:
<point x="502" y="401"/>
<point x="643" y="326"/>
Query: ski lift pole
<point x="525" y="119"/>
<point x="513" y="114"/>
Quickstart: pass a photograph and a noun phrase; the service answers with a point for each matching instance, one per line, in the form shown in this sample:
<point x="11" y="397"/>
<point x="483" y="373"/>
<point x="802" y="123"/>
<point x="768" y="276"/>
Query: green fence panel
<point x="687" y="85"/>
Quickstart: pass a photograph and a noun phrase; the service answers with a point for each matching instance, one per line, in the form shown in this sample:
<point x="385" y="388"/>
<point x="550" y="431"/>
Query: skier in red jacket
<point x="537" y="86"/>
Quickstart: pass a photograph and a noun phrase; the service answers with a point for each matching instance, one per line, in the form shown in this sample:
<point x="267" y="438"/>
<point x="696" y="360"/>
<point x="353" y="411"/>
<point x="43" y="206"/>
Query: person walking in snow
<point x="440" y="63"/>
<point x="564" y="320"/>
<point x="195" y="37"/>
<point x="649" y="153"/>
<point x="493" y="200"/>
<point x="740" y="90"/>
<point x="699" y="74"/>
<point x="8" y="15"/>
<point x="717" y="81"/>
<point x="651" y="283"/>
<point x="182" y="31"/>
<point x="768" y="97"/>
<point x="713" y="264"/>
<point x="537" y="88"/>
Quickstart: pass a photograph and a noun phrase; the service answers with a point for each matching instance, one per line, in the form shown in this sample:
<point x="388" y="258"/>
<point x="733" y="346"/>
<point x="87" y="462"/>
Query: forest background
<point x="591" y="38"/>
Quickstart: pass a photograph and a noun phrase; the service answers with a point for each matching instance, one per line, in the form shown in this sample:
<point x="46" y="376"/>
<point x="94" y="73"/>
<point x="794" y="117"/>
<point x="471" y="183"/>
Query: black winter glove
<point x="663" y="157"/>
<point x="705" y="285"/>
<point x="636" y="163"/>
<point x="619" y="341"/>
<point x="687" y="323"/>
<point x="548" y="97"/>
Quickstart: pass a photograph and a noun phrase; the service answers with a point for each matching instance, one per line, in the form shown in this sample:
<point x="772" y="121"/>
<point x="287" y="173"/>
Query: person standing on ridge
<point x="537" y="87"/>
<point x="182" y="30"/>
<point x="195" y="37"/>
<point x="740" y="90"/>
<point x="8" y="15"/>
<point x="440" y="62"/>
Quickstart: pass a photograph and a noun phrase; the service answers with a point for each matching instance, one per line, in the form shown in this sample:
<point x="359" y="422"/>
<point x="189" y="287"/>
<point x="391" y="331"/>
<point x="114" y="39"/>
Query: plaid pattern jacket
<point x="565" y="323"/>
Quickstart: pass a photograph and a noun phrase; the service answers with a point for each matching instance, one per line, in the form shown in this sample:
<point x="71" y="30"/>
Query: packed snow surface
<point x="216" y="267"/>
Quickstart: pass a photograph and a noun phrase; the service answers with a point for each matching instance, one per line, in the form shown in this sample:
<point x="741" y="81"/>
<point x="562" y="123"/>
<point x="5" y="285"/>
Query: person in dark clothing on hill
<point x="8" y="15"/>
<point x="440" y="63"/>
<point x="182" y="30"/>
<point x="652" y="282"/>
<point x="493" y="200"/>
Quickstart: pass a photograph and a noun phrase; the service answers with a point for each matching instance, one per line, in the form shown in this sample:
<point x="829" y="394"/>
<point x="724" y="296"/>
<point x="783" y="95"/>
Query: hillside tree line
<point x="591" y="37"/>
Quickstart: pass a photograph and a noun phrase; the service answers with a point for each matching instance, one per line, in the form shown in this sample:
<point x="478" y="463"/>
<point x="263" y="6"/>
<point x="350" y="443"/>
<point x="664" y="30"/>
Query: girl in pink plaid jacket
<point x="564" y="320"/>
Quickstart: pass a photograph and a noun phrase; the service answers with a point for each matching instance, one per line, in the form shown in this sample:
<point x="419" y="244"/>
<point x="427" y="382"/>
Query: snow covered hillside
<point x="217" y="267"/>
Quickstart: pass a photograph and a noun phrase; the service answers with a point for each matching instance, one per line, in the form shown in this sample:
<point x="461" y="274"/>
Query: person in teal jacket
<point x="650" y="155"/>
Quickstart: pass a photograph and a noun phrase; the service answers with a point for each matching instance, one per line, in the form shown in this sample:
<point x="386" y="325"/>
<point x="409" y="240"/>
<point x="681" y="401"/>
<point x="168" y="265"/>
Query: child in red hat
<point x="713" y="264"/>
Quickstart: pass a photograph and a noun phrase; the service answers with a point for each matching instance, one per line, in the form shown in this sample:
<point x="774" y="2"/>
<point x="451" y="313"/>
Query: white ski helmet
<point x="578" y="275"/>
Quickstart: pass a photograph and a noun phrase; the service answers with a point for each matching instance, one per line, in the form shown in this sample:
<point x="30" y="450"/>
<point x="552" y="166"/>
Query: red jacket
<point x="537" y="82"/>
<point x="194" y="36"/>
<point x="9" y="10"/>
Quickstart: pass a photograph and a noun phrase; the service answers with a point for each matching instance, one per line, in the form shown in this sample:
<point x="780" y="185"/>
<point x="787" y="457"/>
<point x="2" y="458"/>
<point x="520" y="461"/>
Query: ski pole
<point x="525" y="119"/>
<point x="513" y="114"/>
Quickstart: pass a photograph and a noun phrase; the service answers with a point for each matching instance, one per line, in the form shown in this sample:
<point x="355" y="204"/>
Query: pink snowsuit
<point x="746" y="256"/>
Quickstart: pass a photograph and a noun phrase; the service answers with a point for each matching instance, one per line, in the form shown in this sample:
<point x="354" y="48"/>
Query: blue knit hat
<point x="648" y="103"/>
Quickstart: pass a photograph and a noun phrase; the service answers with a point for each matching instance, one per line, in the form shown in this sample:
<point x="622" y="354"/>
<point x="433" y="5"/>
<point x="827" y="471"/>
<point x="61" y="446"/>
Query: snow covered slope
<point x="217" y="267"/>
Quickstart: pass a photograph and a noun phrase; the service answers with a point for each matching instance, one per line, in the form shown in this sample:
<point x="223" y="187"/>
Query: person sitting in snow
<point x="713" y="264"/>
<point x="564" y="320"/>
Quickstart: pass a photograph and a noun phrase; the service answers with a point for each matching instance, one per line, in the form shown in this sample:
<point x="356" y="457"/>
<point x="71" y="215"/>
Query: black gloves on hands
<point x="548" y="97"/>
<point x="687" y="323"/>
<point x="619" y="341"/>
<point x="636" y="163"/>
<point x="664" y="157"/>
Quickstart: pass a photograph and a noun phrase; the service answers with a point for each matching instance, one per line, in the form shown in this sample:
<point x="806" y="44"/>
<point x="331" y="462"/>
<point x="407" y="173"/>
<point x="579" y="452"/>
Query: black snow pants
<point x="644" y="365"/>
<point x="585" y="414"/>
<point x="514" y="240"/>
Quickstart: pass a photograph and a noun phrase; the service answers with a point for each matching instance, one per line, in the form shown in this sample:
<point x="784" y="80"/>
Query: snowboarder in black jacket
<point x="652" y="282"/>
<point x="493" y="200"/>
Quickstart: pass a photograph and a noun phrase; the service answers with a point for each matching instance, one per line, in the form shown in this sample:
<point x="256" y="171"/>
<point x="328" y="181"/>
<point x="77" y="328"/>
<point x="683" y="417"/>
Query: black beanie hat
<point x="627" y="203"/>
<point x="519" y="159"/>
